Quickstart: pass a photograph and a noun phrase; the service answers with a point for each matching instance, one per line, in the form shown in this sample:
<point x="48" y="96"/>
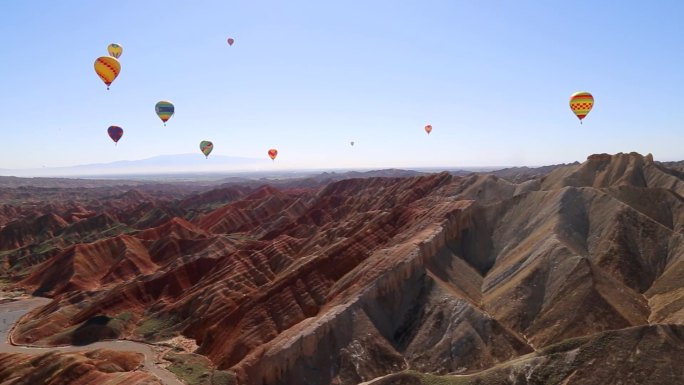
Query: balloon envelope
<point x="206" y="147"/>
<point x="581" y="103"/>
<point x="165" y="110"/>
<point x="115" y="132"/>
<point x="231" y="41"/>
<point x="107" y="68"/>
<point x="428" y="128"/>
<point x="352" y="143"/>
<point x="272" y="153"/>
<point x="115" y="50"/>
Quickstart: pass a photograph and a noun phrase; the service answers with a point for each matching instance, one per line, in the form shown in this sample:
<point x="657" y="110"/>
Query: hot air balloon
<point x="165" y="110"/>
<point x="428" y="128"/>
<point x="273" y="153"/>
<point x="115" y="50"/>
<point x="352" y="143"/>
<point x="231" y="41"/>
<point x="581" y="103"/>
<point x="115" y="132"/>
<point x="206" y="147"/>
<point x="107" y="69"/>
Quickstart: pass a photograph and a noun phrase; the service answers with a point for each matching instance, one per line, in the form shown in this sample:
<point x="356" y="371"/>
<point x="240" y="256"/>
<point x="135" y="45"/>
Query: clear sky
<point x="308" y="77"/>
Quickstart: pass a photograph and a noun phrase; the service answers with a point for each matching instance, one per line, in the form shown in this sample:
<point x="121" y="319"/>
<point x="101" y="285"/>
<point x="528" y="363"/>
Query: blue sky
<point x="308" y="77"/>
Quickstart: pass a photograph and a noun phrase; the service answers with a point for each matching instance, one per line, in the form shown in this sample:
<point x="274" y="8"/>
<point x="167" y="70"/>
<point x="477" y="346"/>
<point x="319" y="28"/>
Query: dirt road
<point x="11" y="312"/>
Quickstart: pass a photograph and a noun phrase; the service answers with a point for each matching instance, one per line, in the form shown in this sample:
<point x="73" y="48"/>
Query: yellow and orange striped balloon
<point x="107" y="69"/>
<point x="581" y="103"/>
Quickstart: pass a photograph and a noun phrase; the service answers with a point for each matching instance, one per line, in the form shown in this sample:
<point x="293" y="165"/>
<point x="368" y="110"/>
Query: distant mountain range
<point x="179" y="163"/>
<point x="223" y="170"/>
<point x="184" y="167"/>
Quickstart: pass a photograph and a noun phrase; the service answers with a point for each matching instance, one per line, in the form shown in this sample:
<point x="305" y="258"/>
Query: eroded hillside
<point x="362" y="278"/>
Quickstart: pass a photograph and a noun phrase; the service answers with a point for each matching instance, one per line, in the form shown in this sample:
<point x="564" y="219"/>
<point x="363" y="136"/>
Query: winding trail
<point x="11" y="312"/>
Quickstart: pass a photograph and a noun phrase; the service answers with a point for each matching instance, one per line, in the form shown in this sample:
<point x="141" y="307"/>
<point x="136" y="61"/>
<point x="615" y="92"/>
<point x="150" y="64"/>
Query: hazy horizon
<point x="141" y="168"/>
<point x="166" y="166"/>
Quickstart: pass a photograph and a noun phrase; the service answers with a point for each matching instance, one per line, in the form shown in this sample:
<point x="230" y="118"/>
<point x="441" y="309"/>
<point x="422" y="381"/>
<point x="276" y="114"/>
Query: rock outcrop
<point x="103" y="367"/>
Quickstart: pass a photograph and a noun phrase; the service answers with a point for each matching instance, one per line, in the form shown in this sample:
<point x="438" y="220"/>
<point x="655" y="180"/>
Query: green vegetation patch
<point x="195" y="369"/>
<point x="157" y="329"/>
<point x="124" y="317"/>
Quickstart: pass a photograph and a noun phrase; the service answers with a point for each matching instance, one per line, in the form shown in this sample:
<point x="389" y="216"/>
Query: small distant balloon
<point x="115" y="50"/>
<point x="115" y="132"/>
<point x="352" y="143"/>
<point x="206" y="147"/>
<point x="165" y="110"/>
<point x="231" y="41"/>
<point x="272" y="153"/>
<point x="107" y="68"/>
<point x="581" y="103"/>
<point x="428" y="129"/>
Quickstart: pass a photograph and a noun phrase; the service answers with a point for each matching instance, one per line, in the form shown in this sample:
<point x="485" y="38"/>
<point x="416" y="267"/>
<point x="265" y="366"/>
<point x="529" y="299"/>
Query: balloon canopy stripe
<point x="108" y="66"/>
<point x="580" y="105"/>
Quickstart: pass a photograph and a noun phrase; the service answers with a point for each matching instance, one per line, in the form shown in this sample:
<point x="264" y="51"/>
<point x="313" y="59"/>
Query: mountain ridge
<point x="351" y="280"/>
